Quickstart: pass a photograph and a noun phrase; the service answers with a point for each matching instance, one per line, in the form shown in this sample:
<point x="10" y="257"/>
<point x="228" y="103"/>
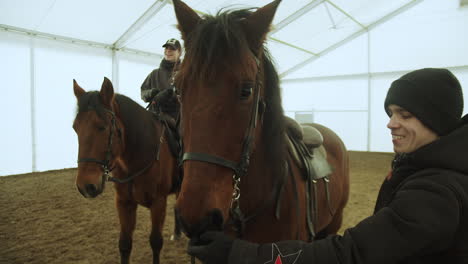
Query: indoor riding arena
<point x="105" y="104"/>
<point x="46" y="220"/>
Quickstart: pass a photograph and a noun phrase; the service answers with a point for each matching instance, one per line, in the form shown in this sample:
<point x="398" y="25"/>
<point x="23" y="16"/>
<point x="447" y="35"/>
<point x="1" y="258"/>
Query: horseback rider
<point x="158" y="91"/>
<point x="158" y="87"/>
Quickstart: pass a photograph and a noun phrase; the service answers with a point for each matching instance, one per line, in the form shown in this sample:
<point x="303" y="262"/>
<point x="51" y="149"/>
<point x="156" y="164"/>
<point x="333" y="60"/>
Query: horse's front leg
<point x="158" y="213"/>
<point x="127" y="218"/>
<point x="177" y="230"/>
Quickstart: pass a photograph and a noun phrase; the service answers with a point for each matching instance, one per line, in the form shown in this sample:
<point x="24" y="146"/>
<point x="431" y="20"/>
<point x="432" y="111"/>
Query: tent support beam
<point x="369" y="92"/>
<point x="351" y="37"/>
<point x="361" y="75"/>
<point x="150" y="13"/>
<point x="32" y="92"/>
<point x="294" y="16"/>
<point x="115" y="71"/>
<point x="75" y="41"/>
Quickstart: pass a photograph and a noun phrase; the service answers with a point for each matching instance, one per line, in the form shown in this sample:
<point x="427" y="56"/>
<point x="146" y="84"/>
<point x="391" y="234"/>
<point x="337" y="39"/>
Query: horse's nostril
<point x="81" y="191"/>
<point x="217" y="219"/>
<point x="91" y="189"/>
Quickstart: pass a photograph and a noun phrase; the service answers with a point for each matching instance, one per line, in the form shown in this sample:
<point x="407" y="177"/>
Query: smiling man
<point x="422" y="207"/>
<point x="408" y="133"/>
<point x="423" y="105"/>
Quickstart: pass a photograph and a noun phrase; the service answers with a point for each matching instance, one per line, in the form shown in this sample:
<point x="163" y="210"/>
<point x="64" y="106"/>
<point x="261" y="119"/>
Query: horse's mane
<point x="273" y="120"/>
<point x="219" y="43"/>
<point x="137" y="121"/>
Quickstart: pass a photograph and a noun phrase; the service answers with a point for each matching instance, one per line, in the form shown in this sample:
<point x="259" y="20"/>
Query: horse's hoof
<point x="174" y="238"/>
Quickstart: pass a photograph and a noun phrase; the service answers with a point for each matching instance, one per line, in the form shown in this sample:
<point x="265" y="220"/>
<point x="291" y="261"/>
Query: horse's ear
<point x="77" y="90"/>
<point x="257" y="25"/>
<point x="187" y="18"/>
<point x="107" y="92"/>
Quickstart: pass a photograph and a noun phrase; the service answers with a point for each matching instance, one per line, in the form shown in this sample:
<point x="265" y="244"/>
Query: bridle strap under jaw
<point x="210" y="159"/>
<point x="240" y="168"/>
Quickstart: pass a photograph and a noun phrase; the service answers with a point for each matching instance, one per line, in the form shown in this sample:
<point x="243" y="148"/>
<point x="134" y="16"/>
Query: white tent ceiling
<point x="142" y="26"/>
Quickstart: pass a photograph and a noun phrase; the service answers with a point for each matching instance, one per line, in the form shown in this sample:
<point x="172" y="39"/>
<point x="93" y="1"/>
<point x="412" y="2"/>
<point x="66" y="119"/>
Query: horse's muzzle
<point x="92" y="190"/>
<point x="213" y="221"/>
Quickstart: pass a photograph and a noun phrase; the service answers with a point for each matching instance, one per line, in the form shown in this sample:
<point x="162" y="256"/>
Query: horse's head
<point x="100" y="137"/>
<point x="221" y="89"/>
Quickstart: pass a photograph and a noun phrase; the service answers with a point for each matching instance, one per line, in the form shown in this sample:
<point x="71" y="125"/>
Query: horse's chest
<point x="145" y="199"/>
<point x="140" y="195"/>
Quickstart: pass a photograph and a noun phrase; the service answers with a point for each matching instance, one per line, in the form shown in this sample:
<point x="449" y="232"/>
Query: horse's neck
<point x="260" y="182"/>
<point x="140" y="145"/>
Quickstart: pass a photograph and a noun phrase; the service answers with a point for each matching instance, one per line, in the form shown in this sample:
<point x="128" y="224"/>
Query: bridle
<point x="105" y="164"/>
<point x="239" y="168"/>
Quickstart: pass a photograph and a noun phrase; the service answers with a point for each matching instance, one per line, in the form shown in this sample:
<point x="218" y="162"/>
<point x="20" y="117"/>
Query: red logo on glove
<point x="280" y="258"/>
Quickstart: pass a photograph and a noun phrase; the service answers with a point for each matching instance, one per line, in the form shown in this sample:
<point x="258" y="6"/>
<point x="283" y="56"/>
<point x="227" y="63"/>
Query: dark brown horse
<point x="241" y="172"/>
<point x="116" y="134"/>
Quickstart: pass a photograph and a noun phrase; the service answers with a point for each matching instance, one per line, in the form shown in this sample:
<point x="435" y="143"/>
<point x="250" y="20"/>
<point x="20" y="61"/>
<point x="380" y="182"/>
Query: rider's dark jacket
<point x="160" y="80"/>
<point x="421" y="216"/>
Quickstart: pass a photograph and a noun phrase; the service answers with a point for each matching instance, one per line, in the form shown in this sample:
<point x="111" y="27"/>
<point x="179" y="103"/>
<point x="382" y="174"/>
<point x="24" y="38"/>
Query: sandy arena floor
<point x="43" y="218"/>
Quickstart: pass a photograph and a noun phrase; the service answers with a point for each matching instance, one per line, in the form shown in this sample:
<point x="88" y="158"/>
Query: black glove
<point x="164" y="95"/>
<point x="154" y="92"/>
<point x="211" y="248"/>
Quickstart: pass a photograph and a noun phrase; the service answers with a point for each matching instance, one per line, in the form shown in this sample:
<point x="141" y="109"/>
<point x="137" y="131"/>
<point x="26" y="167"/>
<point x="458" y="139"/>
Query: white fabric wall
<point x="344" y="89"/>
<point x="133" y="70"/>
<point x="38" y="73"/>
<point x="15" y="106"/>
<point x="357" y="75"/>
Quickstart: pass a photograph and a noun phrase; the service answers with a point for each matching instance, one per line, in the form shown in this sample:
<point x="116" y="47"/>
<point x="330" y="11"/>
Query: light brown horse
<point x="116" y="134"/>
<point x="240" y="175"/>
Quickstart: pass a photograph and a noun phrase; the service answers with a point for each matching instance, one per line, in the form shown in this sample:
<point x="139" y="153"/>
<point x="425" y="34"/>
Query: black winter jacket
<point x="159" y="80"/>
<point x="421" y="216"/>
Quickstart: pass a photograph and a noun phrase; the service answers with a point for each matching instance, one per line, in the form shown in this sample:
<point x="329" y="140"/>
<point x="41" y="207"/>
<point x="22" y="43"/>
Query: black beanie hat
<point x="434" y="96"/>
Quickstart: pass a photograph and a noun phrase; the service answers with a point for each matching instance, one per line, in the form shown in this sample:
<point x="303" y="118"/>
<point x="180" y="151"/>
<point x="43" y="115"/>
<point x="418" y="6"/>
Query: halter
<point x="105" y="164"/>
<point x="240" y="168"/>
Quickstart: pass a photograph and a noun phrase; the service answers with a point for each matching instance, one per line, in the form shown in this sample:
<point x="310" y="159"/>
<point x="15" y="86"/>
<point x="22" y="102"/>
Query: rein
<point x="240" y="168"/>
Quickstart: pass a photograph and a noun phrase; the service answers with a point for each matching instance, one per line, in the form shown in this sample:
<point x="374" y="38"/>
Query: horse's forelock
<point x="134" y="117"/>
<point x="217" y="44"/>
<point x="90" y="101"/>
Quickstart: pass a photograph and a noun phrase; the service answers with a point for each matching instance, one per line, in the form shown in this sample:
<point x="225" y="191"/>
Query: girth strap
<point x="327" y="193"/>
<point x="310" y="209"/>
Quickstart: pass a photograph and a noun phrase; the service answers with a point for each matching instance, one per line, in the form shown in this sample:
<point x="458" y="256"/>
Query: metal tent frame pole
<point x="351" y="37"/>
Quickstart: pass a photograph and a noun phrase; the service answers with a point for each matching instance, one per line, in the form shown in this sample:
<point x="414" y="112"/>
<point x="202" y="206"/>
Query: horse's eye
<point x="101" y="128"/>
<point x="246" y="90"/>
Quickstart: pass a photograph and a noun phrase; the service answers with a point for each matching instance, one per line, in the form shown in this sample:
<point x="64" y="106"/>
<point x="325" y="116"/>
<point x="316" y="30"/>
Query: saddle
<point x="172" y="133"/>
<point x="306" y="149"/>
<point x="305" y="146"/>
<point x="174" y="143"/>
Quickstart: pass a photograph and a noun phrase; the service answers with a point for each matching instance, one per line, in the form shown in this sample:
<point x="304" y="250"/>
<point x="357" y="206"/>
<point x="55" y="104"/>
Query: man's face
<point x="171" y="54"/>
<point x="408" y="133"/>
